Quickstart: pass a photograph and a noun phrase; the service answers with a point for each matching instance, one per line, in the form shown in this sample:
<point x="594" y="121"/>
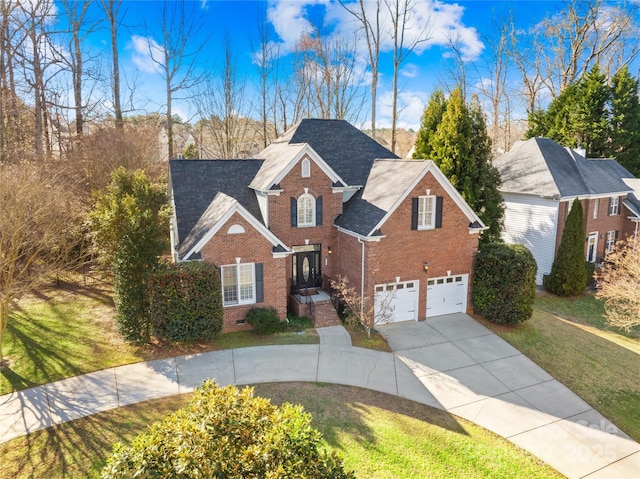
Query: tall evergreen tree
<point x="130" y="225"/>
<point x="590" y="115"/>
<point x="568" y="275"/>
<point x="624" y="128"/>
<point x="604" y="119"/>
<point x="454" y="135"/>
<point x="431" y="118"/>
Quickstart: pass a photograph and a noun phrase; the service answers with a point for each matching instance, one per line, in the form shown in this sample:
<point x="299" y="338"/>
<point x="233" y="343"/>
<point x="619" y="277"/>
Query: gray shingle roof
<point x="214" y="213"/>
<point x="276" y="157"/>
<point x="347" y="150"/>
<point x="196" y="183"/>
<point x="542" y="167"/>
<point x="387" y="183"/>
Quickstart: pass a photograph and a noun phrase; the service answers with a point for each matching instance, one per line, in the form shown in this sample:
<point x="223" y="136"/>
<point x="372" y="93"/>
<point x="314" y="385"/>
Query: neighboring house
<point x="541" y="179"/>
<point x="326" y="201"/>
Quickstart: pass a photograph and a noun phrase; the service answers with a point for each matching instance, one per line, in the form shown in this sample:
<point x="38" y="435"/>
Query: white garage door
<point x="446" y="295"/>
<point x="397" y="302"/>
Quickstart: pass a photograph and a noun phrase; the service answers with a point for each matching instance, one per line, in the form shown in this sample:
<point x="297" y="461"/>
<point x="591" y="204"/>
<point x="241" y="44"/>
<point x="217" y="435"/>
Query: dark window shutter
<point x="294" y="212"/>
<point x="259" y="283"/>
<point x="438" y="211"/>
<point x="414" y="213"/>
<point x="319" y="211"/>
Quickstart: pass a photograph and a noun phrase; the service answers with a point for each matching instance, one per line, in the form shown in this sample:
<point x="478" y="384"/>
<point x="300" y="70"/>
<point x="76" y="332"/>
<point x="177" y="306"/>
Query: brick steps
<point x="325" y="315"/>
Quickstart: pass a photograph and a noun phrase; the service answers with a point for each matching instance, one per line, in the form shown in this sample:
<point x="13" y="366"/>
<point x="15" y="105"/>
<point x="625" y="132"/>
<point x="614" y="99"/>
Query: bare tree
<point x="368" y="15"/>
<point x="401" y="14"/>
<point x="11" y="130"/>
<point x="35" y="239"/>
<point x="174" y="51"/>
<point x="221" y="105"/>
<point x="364" y="310"/>
<point x="265" y="58"/>
<point x="36" y="56"/>
<point x="112" y="10"/>
<point x="619" y="286"/>
<point x="585" y="33"/>
<point x="325" y="69"/>
<point x="493" y="82"/>
<point x="456" y="71"/>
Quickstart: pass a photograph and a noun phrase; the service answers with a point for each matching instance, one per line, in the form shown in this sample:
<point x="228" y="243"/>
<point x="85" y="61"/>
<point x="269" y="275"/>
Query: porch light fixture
<point x="425" y="267"/>
<point x="329" y="250"/>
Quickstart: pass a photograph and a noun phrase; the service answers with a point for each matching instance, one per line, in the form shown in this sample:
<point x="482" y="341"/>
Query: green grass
<point x="585" y="309"/>
<point x="573" y="344"/>
<point x="379" y="436"/>
<point x="59" y="333"/>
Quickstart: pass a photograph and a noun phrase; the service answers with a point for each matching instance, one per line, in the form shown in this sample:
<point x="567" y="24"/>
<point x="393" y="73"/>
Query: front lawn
<point x="380" y="436"/>
<point x="570" y="340"/>
<point x="59" y="333"/>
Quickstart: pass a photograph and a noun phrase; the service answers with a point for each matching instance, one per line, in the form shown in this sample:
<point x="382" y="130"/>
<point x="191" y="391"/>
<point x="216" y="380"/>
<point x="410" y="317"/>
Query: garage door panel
<point x="446" y="295"/>
<point x="397" y="301"/>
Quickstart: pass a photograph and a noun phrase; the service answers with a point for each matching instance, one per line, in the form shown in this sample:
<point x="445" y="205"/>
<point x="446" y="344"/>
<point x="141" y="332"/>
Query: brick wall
<point x="403" y="251"/>
<point x="601" y="224"/>
<point x="318" y="184"/>
<point x="251" y="247"/>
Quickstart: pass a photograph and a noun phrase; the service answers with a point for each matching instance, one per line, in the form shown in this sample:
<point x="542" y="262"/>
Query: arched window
<point x="306" y="210"/>
<point x="236" y="229"/>
<point x="306" y="168"/>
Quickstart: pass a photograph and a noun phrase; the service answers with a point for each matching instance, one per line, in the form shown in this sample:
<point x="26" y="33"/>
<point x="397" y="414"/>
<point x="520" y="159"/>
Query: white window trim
<point x="306" y="168"/>
<point x="305" y="224"/>
<point x="614" y="205"/>
<point x="592" y="236"/>
<point x="596" y="207"/>
<point x="240" y="301"/>
<point x="422" y="215"/>
<point x="610" y="241"/>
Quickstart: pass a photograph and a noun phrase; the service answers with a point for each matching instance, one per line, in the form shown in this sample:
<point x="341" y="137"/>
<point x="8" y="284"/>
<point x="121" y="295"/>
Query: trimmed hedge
<point x="185" y="301"/>
<point x="227" y="432"/>
<point x="504" y="284"/>
<point x="264" y="321"/>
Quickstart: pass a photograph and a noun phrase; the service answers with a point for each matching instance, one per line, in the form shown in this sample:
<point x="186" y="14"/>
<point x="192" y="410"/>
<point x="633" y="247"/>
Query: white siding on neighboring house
<point x="532" y="220"/>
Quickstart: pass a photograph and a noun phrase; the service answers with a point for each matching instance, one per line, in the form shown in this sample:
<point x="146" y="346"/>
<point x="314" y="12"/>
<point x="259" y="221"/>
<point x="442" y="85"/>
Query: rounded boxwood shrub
<point x="504" y="283"/>
<point x="185" y="301"/>
<point x="230" y="433"/>
<point x="264" y="320"/>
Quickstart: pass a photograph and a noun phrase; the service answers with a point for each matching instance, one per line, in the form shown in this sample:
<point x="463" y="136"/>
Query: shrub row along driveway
<point x="452" y="363"/>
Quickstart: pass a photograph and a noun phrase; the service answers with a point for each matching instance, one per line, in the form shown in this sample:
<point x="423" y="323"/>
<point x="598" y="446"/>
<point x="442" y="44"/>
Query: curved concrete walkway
<point x="452" y="363"/>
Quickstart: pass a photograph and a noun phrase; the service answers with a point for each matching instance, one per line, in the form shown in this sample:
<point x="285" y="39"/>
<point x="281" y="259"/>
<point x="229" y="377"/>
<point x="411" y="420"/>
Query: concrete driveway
<point x="474" y="374"/>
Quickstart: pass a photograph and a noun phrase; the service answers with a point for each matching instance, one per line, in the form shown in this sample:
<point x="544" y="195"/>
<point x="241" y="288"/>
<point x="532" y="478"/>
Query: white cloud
<point x="146" y="53"/>
<point x="410" y="108"/>
<point x="431" y="23"/>
<point x="410" y="70"/>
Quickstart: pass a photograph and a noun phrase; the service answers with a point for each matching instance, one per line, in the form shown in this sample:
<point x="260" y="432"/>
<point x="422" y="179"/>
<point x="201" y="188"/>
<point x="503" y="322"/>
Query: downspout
<point x="362" y="282"/>
<point x="635" y="237"/>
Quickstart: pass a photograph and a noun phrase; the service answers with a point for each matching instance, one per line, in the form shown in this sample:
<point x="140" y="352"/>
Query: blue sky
<point x="422" y="73"/>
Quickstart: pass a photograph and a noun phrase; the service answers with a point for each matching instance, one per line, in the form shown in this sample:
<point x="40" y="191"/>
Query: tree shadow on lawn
<point x="596" y="365"/>
<point x="80" y="448"/>
<point x="337" y="409"/>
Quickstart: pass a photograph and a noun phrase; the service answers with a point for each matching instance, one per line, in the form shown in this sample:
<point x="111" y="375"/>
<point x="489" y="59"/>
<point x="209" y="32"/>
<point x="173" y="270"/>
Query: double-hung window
<point x="611" y="241"/>
<point x="426" y="212"/>
<point x="614" y="205"/>
<point x="238" y="284"/>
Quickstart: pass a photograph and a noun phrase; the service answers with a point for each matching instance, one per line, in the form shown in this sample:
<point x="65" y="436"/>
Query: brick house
<point x="540" y="181"/>
<point x="325" y="201"/>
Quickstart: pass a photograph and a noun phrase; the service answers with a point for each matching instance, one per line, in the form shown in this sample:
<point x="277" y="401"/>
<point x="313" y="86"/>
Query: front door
<point x="306" y="268"/>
